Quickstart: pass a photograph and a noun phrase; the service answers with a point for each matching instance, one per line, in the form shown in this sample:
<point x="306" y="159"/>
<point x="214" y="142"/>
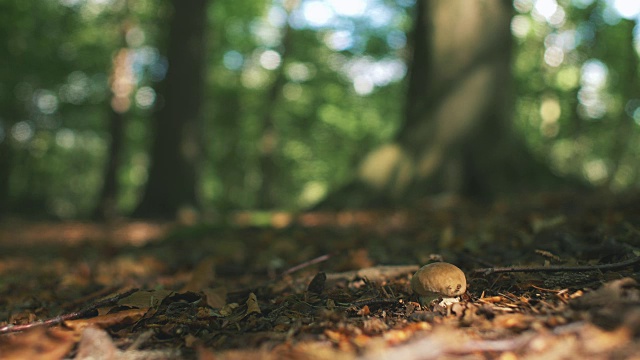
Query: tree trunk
<point x="121" y="82"/>
<point x="457" y="136"/>
<point x="629" y="89"/>
<point x="5" y="172"/>
<point x="176" y="148"/>
<point x="267" y="198"/>
<point x="108" y="200"/>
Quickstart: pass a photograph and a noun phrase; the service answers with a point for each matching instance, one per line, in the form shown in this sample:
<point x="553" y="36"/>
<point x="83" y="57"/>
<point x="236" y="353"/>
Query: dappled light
<point x="76" y="233"/>
<point x="593" y="81"/>
<point x="145" y="97"/>
<point x="627" y="9"/>
<point x="337" y="69"/>
<point x="328" y="179"/>
<point x="550" y="112"/>
<point x="22" y="131"/>
<point x="582" y="84"/>
<point x="270" y="60"/>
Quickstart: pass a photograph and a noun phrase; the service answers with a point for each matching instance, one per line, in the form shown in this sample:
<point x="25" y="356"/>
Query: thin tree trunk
<point x="269" y="141"/>
<point x="630" y="89"/>
<point x="176" y="148"/>
<point x="121" y="87"/>
<point x="5" y="173"/>
<point x="107" y="202"/>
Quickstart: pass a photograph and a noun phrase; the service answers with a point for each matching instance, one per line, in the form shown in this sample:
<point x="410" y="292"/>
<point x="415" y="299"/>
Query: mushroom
<point x="438" y="279"/>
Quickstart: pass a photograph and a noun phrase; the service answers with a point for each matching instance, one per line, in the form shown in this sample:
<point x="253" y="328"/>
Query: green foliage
<point x="339" y="93"/>
<point x="321" y="125"/>
<point x="577" y="81"/>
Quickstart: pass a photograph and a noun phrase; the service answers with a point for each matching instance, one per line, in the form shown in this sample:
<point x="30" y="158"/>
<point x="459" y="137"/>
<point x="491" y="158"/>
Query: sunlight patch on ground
<point x="135" y="233"/>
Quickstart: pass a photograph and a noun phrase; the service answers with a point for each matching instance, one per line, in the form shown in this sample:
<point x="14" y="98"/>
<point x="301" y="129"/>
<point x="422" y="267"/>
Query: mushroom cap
<point x="439" y="279"/>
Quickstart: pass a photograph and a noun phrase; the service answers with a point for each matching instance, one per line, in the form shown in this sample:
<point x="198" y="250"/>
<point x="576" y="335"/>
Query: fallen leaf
<point x="216" y="297"/>
<point x="38" y="344"/>
<point x="364" y="311"/>
<point x="202" y="276"/>
<point x="145" y="298"/>
<point x="252" y="304"/>
<point x="227" y="309"/>
<point x="190" y="340"/>
<point x="104" y="321"/>
<point x="316" y="285"/>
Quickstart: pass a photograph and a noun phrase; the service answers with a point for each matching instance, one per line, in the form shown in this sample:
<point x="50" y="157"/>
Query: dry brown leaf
<point x="361" y="340"/>
<point x="145" y="298"/>
<point x="38" y="344"/>
<point x="515" y="321"/>
<point x="374" y="325"/>
<point x="202" y="276"/>
<point x="364" y="311"/>
<point x="335" y="336"/>
<point x="393" y="337"/>
<point x="104" y="321"/>
<point x="205" y="354"/>
<point x="252" y="304"/>
<point x="216" y="297"/>
<point x="228" y="309"/>
<point x="190" y="340"/>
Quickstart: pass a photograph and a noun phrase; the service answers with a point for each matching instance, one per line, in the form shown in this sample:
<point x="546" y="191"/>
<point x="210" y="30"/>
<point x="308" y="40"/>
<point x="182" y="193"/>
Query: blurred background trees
<point x="301" y="98"/>
<point x="176" y="151"/>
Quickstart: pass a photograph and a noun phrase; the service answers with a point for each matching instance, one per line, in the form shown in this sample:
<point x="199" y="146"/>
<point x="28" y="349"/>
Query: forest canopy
<point x="295" y="94"/>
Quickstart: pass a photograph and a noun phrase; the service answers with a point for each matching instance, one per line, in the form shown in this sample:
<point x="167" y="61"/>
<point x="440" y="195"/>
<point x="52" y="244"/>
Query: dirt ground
<point x="551" y="276"/>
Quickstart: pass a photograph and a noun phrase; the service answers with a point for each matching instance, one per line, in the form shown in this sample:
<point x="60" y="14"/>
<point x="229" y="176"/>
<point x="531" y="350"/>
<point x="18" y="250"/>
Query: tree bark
<point x="107" y="202"/>
<point x="267" y="198"/>
<point x="457" y="136"/>
<point x="121" y="92"/>
<point x="5" y="173"/>
<point x="176" y="148"/>
<point x="629" y="90"/>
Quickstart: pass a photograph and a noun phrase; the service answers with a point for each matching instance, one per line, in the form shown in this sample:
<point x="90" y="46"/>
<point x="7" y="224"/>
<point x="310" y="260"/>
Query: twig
<point x="73" y="315"/>
<point x="90" y="297"/>
<point x="243" y="292"/>
<point x="613" y="266"/>
<point x="319" y="259"/>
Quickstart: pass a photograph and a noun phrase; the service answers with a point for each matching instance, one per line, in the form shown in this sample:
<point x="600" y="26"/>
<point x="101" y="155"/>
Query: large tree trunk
<point x="457" y="135"/>
<point x="177" y="146"/>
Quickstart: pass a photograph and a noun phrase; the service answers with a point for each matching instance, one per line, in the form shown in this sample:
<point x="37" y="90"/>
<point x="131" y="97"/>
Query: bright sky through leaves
<point x="628" y="9"/>
<point x="364" y="72"/>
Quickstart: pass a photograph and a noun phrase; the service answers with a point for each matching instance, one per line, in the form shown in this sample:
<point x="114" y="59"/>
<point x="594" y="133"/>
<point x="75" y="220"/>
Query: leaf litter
<point x="551" y="276"/>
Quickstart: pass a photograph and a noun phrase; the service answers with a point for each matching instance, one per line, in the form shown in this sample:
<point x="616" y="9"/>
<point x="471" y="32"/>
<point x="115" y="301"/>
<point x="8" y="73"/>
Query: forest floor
<point x="329" y="285"/>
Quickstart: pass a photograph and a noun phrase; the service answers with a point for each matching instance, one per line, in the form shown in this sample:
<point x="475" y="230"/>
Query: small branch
<point x="243" y="292"/>
<point x="306" y="264"/>
<point x="603" y="267"/>
<point x="73" y="315"/>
